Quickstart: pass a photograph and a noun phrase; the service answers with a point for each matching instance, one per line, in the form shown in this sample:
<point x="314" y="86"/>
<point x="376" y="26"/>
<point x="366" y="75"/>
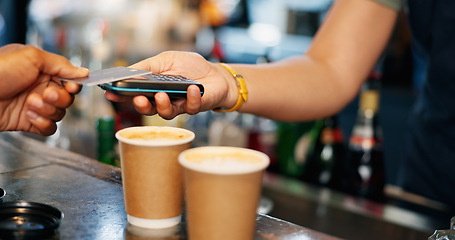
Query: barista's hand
<point x="32" y="99"/>
<point x="216" y="80"/>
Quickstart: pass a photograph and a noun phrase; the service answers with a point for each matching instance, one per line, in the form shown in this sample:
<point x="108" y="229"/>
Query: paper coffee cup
<point x="151" y="174"/>
<point x="223" y="186"/>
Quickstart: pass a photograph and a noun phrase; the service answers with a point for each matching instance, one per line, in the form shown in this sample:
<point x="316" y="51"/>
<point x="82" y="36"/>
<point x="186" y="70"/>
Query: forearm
<point x="328" y="76"/>
<point x="296" y="89"/>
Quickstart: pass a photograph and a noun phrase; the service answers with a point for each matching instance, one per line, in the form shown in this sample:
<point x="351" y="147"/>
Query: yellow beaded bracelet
<point x="243" y="91"/>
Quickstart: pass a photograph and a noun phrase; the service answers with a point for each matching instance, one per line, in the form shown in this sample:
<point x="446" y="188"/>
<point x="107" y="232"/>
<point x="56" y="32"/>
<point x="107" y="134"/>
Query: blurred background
<point x="99" y="34"/>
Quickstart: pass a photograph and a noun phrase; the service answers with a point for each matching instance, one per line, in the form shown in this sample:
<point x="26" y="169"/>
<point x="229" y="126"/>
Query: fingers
<point x="51" y="105"/>
<point x="168" y="109"/>
<point x="53" y="64"/>
<point x="144" y="106"/>
<point x="44" y="111"/>
<point x="115" y="98"/>
<point x="57" y="97"/>
<point x="193" y="102"/>
<point x="41" y="125"/>
<point x="72" y="87"/>
<point x="143" y="65"/>
<point x="154" y="64"/>
<point x="163" y="106"/>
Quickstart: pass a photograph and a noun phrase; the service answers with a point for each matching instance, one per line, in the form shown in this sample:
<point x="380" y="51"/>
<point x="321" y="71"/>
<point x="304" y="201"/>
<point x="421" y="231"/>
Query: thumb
<point x="56" y="65"/>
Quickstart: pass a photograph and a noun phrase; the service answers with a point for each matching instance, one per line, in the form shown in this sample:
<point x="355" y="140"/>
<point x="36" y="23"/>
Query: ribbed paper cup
<point x="223" y="186"/>
<point x="151" y="174"/>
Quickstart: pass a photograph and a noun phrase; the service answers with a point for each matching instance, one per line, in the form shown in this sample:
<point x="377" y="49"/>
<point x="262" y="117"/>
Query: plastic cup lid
<point x="28" y="219"/>
<point x="2" y="194"/>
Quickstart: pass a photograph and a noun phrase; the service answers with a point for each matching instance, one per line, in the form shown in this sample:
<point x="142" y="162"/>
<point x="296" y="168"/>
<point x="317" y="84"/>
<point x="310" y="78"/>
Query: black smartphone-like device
<point x="174" y="85"/>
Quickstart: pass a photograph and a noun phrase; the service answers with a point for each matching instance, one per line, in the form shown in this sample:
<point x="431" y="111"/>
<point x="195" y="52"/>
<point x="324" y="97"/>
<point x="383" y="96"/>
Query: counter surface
<point x="90" y="194"/>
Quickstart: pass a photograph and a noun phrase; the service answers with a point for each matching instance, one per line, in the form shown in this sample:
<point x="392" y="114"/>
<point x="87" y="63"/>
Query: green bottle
<point x="294" y="142"/>
<point x="106" y="140"/>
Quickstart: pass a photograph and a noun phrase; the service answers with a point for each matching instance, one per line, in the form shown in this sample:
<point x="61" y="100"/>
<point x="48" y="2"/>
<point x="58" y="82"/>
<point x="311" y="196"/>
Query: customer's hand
<point x="213" y="77"/>
<point x="32" y="99"/>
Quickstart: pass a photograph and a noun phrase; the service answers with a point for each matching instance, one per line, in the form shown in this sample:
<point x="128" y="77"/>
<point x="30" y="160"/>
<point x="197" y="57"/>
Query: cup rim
<point x="153" y="143"/>
<point x="224" y="171"/>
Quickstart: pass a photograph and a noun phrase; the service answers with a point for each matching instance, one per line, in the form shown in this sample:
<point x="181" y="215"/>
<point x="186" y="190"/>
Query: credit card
<point x="107" y="75"/>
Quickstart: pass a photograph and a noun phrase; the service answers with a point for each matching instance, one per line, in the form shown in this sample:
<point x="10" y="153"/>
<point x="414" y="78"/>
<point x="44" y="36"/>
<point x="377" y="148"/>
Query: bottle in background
<point x="364" y="166"/>
<point x="262" y="137"/>
<point x="105" y="120"/>
<point x="324" y="164"/>
<point x="106" y="140"/>
<point x="293" y="142"/>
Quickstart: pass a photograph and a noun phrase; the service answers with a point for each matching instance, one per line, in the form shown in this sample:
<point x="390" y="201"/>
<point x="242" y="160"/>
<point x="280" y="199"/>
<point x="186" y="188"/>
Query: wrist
<point x="231" y="94"/>
<point x="237" y="90"/>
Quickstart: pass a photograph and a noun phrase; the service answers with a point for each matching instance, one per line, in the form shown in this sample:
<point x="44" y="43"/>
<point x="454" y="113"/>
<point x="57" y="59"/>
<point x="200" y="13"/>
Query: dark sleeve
<point x="393" y="4"/>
